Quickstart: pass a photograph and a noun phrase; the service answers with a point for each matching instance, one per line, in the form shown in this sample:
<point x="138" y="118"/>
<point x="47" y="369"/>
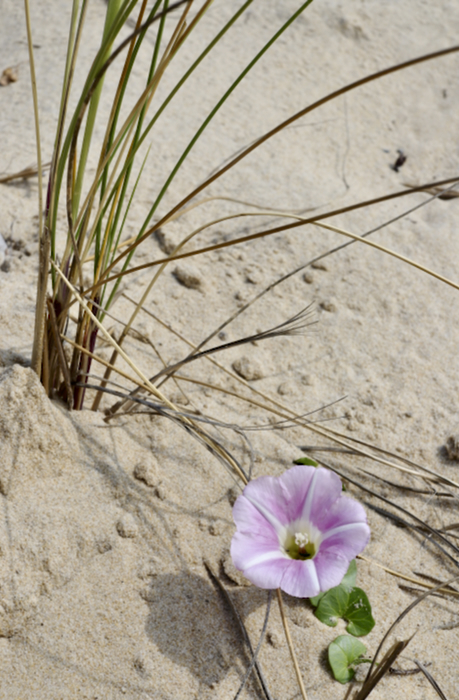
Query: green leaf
<point x="315" y="599"/>
<point x="350" y="576"/>
<point x="306" y="460"/>
<point x="342" y="653"/>
<point x="333" y="605"/>
<point x="348" y="602"/>
<point x="348" y="581"/>
<point x="358" y="613"/>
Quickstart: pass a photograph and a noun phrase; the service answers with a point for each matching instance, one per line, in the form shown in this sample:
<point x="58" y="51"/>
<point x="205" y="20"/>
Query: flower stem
<point x="290" y="645"/>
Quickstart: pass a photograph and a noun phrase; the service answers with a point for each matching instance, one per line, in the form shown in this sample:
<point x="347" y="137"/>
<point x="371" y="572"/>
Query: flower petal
<point x="300" y="579"/>
<point x="295" y="483"/>
<point x="324" y="490"/>
<point x="248" y="551"/>
<point x="267" y="574"/>
<point x="266" y="495"/>
<point x="331" y="567"/>
<point x="348" y="540"/>
<point x="251" y="521"/>
<point x="343" y="510"/>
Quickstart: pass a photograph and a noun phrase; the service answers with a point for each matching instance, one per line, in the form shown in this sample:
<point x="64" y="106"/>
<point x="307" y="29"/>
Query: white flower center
<point x="301" y="540"/>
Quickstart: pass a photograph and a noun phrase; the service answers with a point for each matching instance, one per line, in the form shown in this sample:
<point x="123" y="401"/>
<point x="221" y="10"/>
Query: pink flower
<point x="297" y="531"/>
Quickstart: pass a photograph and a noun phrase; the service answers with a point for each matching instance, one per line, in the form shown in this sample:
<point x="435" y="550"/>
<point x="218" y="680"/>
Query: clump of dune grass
<point x="79" y="282"/>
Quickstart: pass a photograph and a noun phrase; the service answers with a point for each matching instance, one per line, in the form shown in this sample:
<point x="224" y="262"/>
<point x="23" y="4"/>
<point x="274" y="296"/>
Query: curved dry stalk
<point x="240" y="621"/>
<point x="43" y="236"/>
<point x="282" y="215"/>
<point x="280" y="127"/>
<point x="383" y="249"/>
<point x="410" y="607"/>
<point x="257" y="650"/>
<point x="254" y="236"/>
<point x="316" y="259"/>
<point x="285" y="412"/>
<point x="290" y="645"/>
<point x="111" y="341"/>
<point x="431" y="680"/>
<point x="270" y="211"/>
<point x="417" y="582"/>
<point x="436" y="192"/>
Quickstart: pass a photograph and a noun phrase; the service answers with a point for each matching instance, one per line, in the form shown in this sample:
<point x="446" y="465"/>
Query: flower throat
<point x="298" y="546"/>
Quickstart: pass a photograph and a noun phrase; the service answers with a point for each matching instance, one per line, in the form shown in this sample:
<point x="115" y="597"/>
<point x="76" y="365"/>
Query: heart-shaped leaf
<point x="348" y="582"/>
<point x="332" y="605"/>
<point x="348" y="602"/>
<point x="350" y="576"/>
<point x="342" y="653"/>
<point x="358" y="613"/>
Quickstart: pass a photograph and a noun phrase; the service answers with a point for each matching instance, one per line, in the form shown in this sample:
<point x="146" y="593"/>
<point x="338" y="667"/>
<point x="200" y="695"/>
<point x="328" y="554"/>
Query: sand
<point x="106" y="527"/>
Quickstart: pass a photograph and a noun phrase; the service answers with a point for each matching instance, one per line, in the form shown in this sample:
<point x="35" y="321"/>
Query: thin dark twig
<point x="431" y="680"/>
<point x="429" y="492"/>
<point x="277" y="129"/>
<point x="260" y="642"/>
<point x="253" y="236"/>
<point x="285" y="277"/>
<point x="402" y="615"/>
<point x="240" y="621"/>
<point x="320" y="448"/>
<point x="400" y="508"/>
<point x="180" y="418"/>
<point x="418" y="528"/>
<point x="292" y="326"/>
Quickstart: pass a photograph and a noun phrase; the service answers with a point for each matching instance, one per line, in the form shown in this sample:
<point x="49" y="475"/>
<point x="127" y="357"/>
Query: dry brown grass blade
<point x="276" y="407"/>
<point x="290" y="645"/>
<point x="383" y="668"/>
<point x="60" y="353"/>
<point x="254" y="236"/>
<point x="438" y="477"/>
<point x="24" y="174"/>
<point x="280" y="127"/>
<point x="423" y="584"/>
<point x="440" y="192"/>
<point x="431" y="680"/>
<point x="394" y="624"/>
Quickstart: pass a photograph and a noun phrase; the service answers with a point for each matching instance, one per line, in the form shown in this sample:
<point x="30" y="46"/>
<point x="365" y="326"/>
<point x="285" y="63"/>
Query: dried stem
<point x="43" y="235"/>
<point x="290" y="645"/>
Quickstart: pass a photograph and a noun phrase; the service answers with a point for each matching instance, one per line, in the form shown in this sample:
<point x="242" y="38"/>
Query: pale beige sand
<point x="103" y="590"/>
